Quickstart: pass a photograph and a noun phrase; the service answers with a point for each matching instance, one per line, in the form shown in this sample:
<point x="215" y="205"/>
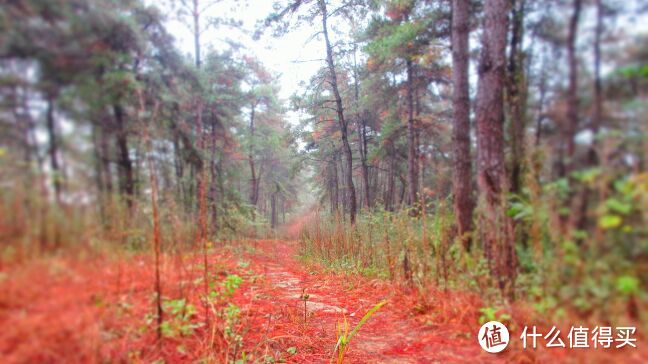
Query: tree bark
<point x="391" y="180"/>
<point x="567" y="162"/>
<point x="178" y="164"/>
<point x="99" y="176"/>
<point x="403" y="190"/>
<point x="598" y="90"/>
<point x="157" y="251"/>
<point x="196" y="31"/>
<point x="462" y="177"/>
<point x="334" y="184"/>
<point x="542" y="90"/>
<point x="361" y="126"/>
<point x="202" y="180"/>
<point x="580" y="202"/>
<point x="127" y="182"/>
<point x="412" y="165"/>
<point x="213" y="176"/>
<point x="495" y="226"/>
<point x="340" y="113"/>
<point x="516" y="95"/>
<point x="53" y="149"/>
<point x="104" y="153"/>
<point x="102" y="171"/>
<point x="254" y="184"/>
<point x="273" y="207"/>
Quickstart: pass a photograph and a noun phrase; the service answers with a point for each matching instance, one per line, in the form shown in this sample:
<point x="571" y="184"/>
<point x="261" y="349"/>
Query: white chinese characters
<point x="580" y="337"/>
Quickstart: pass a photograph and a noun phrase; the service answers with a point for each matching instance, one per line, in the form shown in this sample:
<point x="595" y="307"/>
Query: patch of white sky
<point x="293" y="58"/>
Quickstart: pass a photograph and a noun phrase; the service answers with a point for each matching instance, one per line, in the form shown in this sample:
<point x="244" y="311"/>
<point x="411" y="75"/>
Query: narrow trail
<point x="97" y="310"/>
<point x="394" y="334"/>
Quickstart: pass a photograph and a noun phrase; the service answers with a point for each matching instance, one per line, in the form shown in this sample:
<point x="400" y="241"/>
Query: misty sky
<point x="286" y="56"/>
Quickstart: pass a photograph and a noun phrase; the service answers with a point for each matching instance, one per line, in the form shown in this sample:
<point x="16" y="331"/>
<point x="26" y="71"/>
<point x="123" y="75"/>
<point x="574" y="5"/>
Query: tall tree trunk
<point x="157" y="251"/>
<point x="99" y="176"/>
<point x="202" y="180"/>
<point x="567" y="162"/>
<point x="137" y="169"/>
<point x="344" y="191"/>
<point x="220" y="181"/>
<point x="403" y="190"/>
<point x="391" y="180"/>
<point x="598" y="91"/>
<point x="361" y="126"/>
<point x="254" y="188"/>
<point x="273" y="207"/>
<point x="516" y="93"/>
<point x="104" y="153"/>
<point x="213" y="176"/>
<point x="329" y="186"/>
<point x="542" y="89"/>
<point x="462" y="177"/>
<point x="127" y="181"/>
<point x="580" y="202"/>
<point x="335" y="197"/>
<point x="201" y="176"/>
<point x="495" y="225"/>
<point x="100" y="173"/>
<point x="53" y="149"/>
<point x="365" y="164"/>
<point x="178" y="165"/>
<point x="195" y="13"/>
<point x="283" y="210"/>
<point x="340" y="113"/>
<point x="412" y="165"/>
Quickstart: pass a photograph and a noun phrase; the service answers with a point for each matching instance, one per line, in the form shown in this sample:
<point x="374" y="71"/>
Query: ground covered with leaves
<point x="264" y="305"/>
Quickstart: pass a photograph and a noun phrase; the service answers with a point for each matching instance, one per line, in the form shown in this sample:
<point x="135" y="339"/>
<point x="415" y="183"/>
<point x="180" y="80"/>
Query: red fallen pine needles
<point x="62" y="309"/>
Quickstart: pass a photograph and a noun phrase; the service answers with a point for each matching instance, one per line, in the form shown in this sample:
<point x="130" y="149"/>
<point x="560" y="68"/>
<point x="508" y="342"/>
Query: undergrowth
<point x="597" y="273"/>
<point x="63" y="239"/>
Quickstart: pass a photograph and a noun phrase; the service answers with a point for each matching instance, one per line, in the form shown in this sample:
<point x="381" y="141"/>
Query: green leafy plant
<point x="344" y="336"/>
<point x="490" y="314"/>
<point x="627" y="285"/>
<point x="227" y="288"/>
<point x="231" y="315"/>
<point x="218" y="300"/>
<point x="231" y="284"/>
<point x="179" y="315"/>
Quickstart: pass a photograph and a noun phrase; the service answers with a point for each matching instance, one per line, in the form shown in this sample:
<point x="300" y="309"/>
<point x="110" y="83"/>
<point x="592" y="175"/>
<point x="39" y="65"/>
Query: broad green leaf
<point x="627" y="285"/>
<point x="608" y="222"/>
<point x="616" y="205"/>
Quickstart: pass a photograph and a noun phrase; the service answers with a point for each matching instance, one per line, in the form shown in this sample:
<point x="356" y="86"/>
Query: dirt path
<point x="100" y="309"/>
<point x="395" y="334"/>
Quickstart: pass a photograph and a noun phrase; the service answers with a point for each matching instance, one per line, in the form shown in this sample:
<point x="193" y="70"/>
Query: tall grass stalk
<point x="344" y="336"/>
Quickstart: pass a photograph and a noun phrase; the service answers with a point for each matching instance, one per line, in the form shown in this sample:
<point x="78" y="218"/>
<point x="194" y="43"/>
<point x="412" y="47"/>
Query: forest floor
<point x="393" y="334"/>
<point x="100" y="308"/>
